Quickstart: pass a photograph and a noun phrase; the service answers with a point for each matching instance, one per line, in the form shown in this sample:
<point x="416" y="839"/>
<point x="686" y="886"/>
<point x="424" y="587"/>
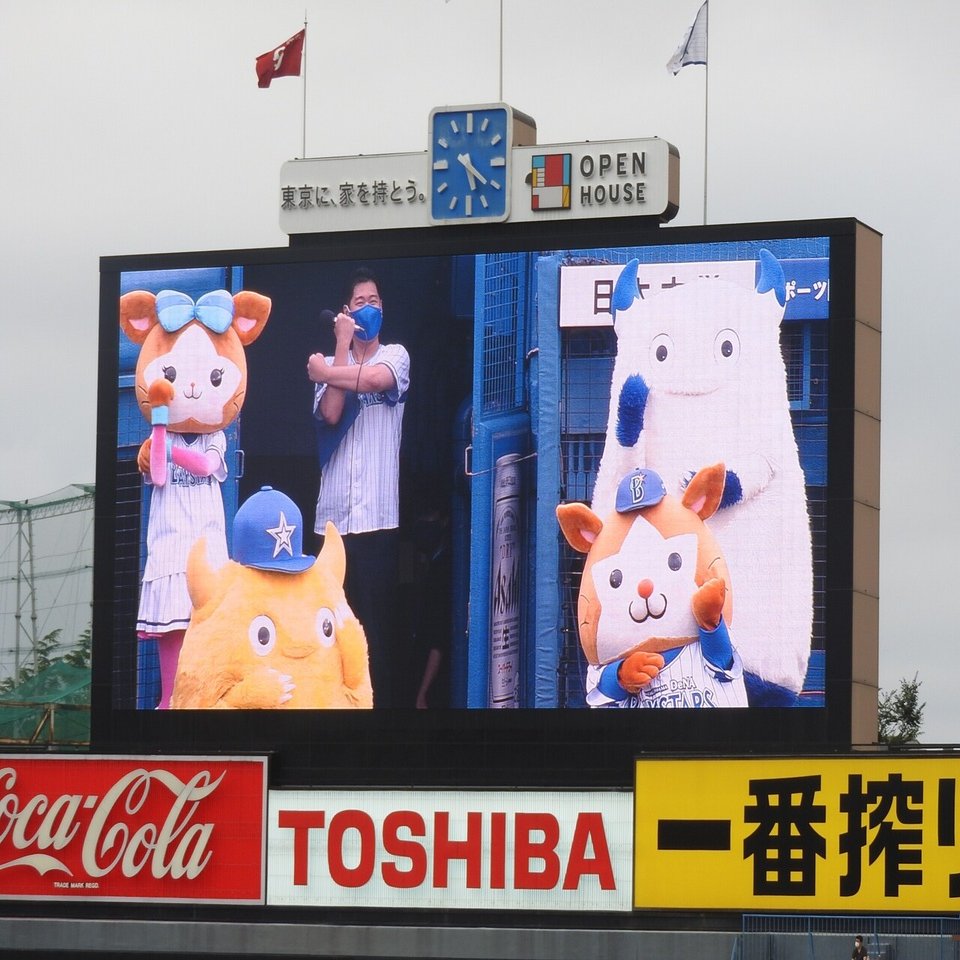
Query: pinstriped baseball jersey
<point x="687" y="681"/>
<point x="359" y="488"/>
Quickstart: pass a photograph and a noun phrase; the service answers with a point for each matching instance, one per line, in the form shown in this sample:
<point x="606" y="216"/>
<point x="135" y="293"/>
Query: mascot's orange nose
<point x="645" y="588"/>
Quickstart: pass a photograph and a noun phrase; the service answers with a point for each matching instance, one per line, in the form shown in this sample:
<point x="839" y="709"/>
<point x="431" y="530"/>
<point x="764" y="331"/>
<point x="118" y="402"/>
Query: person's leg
<point x="371" y="589"/>
<point x="168" y="648"/>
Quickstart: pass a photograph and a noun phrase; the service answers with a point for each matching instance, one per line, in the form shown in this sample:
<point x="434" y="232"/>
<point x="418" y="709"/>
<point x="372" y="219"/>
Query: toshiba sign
<point x="132" y="828"/>
<point x="450" y="850"/>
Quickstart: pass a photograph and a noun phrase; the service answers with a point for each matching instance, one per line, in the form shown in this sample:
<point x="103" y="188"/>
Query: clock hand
<point x="472" y="172"/>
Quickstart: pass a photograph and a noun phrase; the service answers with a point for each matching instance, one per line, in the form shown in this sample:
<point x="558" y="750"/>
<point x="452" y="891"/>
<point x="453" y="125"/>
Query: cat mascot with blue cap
<point x="271" y="628"/>
<point x="656" y="600"/>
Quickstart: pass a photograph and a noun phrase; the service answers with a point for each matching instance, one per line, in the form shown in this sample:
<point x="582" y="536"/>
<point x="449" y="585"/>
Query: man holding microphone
<point x="360" y="394"/>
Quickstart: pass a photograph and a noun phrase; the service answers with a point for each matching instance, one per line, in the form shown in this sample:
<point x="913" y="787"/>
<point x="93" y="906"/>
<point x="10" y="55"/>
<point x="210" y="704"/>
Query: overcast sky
<point x="136" y="126"/>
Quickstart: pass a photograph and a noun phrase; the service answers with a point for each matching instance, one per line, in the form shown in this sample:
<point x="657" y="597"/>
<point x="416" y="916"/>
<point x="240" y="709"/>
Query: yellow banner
<point x="853" y="833"/>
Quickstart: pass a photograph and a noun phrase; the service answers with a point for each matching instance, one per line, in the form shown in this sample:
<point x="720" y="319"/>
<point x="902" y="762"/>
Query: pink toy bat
<point x="160" y="393"/>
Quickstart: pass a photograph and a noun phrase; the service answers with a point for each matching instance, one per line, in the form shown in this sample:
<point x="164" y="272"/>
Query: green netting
<point x="50" y="708"/>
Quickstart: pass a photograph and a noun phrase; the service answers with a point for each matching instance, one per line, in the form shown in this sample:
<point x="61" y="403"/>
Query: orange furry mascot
<point x="272" y="628"/>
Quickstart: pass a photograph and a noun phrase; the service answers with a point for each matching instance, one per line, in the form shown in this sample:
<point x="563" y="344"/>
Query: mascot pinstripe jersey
<point x="699" y="378"/>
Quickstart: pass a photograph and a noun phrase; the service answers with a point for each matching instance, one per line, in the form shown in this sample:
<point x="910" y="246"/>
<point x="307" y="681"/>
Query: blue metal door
<point x="498" y="653"/>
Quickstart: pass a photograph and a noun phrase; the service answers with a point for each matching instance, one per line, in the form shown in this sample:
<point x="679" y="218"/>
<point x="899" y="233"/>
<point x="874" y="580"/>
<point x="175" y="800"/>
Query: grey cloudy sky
<point x="135" y="126"/>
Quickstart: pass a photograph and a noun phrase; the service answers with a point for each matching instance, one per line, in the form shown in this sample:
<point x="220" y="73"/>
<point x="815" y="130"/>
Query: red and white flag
<point x="282" y="61"/>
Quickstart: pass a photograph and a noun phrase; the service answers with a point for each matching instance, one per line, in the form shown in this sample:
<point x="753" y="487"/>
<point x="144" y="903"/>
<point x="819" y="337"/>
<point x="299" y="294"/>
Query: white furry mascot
<point x="699" y="378"/>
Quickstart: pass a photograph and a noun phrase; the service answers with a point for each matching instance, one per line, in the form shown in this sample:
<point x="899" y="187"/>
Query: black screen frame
<point x="529" y="748"/>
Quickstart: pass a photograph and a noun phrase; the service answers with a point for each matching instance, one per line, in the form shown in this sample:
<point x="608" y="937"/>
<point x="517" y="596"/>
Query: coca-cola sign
<point x="133" y="828"/>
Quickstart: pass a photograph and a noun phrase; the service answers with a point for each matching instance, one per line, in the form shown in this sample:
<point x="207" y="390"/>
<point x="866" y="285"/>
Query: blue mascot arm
<point x="630" y="409"/>
<point x="716" y="647"/>
<point x="732" y="488"/>
<point x="732" y="491"/>
<point x="609" y="685"/>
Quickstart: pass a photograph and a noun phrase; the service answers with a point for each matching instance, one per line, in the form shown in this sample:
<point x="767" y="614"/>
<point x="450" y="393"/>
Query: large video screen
<point x="402" y="486"/>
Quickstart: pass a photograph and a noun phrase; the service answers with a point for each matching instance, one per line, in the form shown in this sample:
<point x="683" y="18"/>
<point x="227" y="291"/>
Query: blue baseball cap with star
<point x="268" y="533"/>
<point x="638" y="489"/>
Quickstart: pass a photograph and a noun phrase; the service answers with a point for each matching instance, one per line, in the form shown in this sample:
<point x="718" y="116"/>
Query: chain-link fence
<point x="46" y="593"/>
<point x="46" y="577"/>
<point x="796" y="937"/>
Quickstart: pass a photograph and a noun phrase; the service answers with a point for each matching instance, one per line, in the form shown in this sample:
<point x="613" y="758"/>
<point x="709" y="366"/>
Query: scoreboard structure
<point x="521" y="795"/>
<point x="513" y="350"/>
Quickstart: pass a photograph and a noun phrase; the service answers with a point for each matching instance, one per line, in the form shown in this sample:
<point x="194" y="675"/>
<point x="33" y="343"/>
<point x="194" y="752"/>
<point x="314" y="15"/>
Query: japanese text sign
<point x="855" y="833"/>
<point x="586" y="290"/>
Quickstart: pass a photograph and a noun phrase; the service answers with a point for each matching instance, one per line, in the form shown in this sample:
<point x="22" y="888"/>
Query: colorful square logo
<point x="550" y="182"/>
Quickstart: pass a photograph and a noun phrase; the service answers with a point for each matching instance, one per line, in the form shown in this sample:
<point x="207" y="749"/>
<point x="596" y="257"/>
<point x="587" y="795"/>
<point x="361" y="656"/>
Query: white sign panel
<point x="450" y="850"/>
<point x="377" y="192"/>
<point x="583" y="181"/>
<point x="586" y="291"/>
<point x="572" y="181"/>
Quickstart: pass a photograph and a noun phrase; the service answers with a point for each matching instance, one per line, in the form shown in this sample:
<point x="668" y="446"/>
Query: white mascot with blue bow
<point x="190" y="385"/>
<point x="699" y="378"/>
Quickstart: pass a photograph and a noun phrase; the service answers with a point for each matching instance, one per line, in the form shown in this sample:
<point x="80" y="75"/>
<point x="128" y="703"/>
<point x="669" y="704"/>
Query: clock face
<point x="470" y="151"/>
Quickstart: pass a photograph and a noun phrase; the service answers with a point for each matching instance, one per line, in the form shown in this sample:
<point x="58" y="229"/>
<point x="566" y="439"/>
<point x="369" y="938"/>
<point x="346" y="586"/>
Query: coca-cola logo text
<point x="147" y="819"/>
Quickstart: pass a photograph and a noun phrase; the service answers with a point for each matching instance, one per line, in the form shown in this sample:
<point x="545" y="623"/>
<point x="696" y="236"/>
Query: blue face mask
<point x="368" y="318"/>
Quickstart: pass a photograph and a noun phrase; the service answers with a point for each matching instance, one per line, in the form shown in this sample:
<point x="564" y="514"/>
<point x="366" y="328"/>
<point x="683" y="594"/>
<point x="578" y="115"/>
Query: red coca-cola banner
<point x="133" y="828"/>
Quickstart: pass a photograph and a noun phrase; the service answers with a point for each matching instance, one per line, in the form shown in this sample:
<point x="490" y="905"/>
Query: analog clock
<point x="469" y="154"/>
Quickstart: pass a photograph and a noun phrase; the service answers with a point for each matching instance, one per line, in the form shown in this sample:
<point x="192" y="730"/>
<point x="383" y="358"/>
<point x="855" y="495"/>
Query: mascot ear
<point x="705" y="491"/>
<point x="626" y="289"/>
<point x="333" y="555"/>
<point x="250" y="313"/>
<point x="772" y="280"/>
<point x="772" y="277"/>
<point x="138" y="314"/>
<point x="203" y="582"/>
<point x="580" y="525"/>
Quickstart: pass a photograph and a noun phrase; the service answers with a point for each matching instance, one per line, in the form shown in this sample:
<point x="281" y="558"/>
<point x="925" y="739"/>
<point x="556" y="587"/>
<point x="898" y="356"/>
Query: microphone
<point x="329" y="316"/>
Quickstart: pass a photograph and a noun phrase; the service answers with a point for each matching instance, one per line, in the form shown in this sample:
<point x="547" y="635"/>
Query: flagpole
<point x="501" y="51"/>
<point x="706" y="107"/>
<point x="693" y="49"/>
<point x="303" y="153"/>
